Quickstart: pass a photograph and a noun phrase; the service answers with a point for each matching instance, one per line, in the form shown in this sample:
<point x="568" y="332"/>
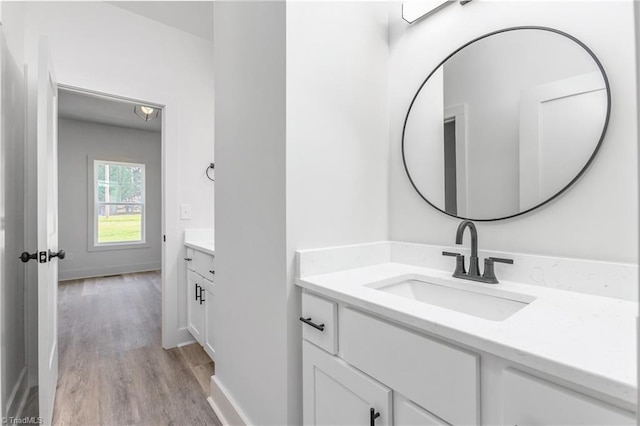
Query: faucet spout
<point x="474" y="236"/>
<point x="474" y="269"/>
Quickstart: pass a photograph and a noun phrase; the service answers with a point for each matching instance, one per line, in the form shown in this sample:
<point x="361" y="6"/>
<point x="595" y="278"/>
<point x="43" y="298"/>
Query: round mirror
<point x="506" y="123"/>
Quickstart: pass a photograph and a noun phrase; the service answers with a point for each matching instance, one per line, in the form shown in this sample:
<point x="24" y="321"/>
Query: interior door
<point x="556" y="120"/>
<point x="47" y="206"/>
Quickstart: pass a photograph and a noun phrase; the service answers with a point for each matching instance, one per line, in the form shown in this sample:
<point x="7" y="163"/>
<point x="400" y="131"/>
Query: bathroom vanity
<point x="201" y="300"/>
<point x="391" y="338"/>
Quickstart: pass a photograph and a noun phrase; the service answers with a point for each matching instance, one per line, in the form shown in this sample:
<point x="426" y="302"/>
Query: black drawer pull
<point x="213" y="272"/>
<point x="312" y="324"/>
<point x="373" y="416"/>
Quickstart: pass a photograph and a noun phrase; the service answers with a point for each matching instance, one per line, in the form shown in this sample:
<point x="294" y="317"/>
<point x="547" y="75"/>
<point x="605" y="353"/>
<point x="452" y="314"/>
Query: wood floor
<point x="112" y="368"/>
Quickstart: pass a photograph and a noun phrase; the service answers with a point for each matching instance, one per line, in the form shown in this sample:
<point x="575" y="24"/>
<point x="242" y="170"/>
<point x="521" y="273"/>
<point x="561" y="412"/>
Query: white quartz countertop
<point x="585" y="339"/>
<point x="203" y="246"/>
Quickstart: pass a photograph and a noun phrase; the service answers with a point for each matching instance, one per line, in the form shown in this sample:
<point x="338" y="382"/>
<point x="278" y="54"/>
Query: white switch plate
<point x="185" y="211"/>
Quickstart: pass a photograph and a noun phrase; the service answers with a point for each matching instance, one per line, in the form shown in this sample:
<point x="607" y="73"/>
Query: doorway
<point x="110" y="213"/>
<point x="110" y="185"/>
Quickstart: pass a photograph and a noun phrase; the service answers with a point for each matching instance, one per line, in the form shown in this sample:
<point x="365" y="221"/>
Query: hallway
<point x="112" y="368"/>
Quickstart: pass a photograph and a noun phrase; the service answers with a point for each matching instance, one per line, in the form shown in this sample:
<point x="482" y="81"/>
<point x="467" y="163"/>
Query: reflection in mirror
<point x="506" y="123"/>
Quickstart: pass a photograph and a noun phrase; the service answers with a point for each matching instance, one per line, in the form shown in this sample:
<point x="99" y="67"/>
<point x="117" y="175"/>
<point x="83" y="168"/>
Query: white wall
<point x="79" y="143"/>
<point x="12" y="150"/>
<point x="251" y="279"/>
<point x="595" y="219"/>
<point x="337" y="140"/>
<point x="104" y="48"/>
<point x="336" y="176"/>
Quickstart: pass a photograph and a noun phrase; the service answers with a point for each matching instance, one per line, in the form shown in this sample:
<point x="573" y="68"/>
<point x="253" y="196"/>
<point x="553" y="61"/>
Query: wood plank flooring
<point x="112" y="368"/>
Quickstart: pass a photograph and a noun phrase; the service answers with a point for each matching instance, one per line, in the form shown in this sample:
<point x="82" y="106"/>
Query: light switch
<point x="185" y="211"/>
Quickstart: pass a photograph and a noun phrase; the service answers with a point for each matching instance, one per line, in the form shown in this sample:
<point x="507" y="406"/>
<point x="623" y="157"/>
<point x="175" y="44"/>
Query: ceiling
<point x="100" y="110"/>
<point x="195" y="17"/>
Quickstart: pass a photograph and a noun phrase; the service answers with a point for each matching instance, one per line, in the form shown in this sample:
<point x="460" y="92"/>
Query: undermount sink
<point x="482" y="302"/>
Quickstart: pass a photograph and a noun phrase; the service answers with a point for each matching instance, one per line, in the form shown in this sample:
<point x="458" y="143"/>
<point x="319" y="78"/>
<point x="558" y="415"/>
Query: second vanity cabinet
<point x="201" y="298"/>
<point x="365" y="370"/>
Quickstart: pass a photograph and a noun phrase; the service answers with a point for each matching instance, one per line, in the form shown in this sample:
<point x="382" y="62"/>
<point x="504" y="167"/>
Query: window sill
<point x="118" y="246"/>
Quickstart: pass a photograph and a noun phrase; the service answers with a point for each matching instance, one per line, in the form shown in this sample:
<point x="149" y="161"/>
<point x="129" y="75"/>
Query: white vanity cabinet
<point x="209" y="319"/>
<point x="344" y="389"/>
<point x="407" y="413"/>
<point x="529" y="400"/>
<point x="357" y="361"/>
<point x="195" y="307"/>
<point x="201" y="298"/>
<point x="338" y="394"/>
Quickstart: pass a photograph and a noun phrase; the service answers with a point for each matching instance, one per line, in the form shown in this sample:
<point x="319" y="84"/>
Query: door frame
<point x="169" y="311"/>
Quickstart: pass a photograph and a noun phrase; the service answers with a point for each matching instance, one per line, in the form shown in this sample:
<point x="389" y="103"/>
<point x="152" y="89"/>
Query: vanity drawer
<point x="324" y="314"/>
<point x="189" y="259"/>
<point x="203" y="264"/>
<point x="528" y="400"/>
<point x="439" y="377"/>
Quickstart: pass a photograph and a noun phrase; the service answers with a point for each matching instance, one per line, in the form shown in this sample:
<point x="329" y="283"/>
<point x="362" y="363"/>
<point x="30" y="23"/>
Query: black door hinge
<point x="42" y="257"/>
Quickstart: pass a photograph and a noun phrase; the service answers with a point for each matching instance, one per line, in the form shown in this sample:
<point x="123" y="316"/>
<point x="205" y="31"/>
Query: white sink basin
<point x="482" y="302"/>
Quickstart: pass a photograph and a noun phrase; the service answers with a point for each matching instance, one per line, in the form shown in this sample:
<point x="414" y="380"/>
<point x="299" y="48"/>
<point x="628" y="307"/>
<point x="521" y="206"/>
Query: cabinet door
<point x="530" y="401"/>
<point x="335" y="393"/>
<point x="406" y="413"/>
<point x="195" y="307"/>
<point x="210" y="322"/>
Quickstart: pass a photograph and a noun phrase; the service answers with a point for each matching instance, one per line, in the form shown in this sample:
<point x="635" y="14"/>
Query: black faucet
<point x="474" y="270"/>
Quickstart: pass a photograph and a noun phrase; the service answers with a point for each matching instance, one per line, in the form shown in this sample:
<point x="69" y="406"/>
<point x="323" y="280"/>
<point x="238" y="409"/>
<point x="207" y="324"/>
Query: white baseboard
<point x="224" y="406"/>
<point x="18" y="396"/>
<point x="184" y="337"/>
<point x="79" y="274"/>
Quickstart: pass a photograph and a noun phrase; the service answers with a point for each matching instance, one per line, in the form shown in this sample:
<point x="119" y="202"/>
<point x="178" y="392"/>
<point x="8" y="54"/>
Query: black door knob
<point x="60" y="254"/>
<point x="26" y="256"/>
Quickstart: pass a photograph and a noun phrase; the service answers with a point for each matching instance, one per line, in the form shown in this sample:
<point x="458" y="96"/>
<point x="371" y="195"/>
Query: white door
<point x="47" y="193"/>
<point x="560" y="126"/>
<point x="336" y="394"/>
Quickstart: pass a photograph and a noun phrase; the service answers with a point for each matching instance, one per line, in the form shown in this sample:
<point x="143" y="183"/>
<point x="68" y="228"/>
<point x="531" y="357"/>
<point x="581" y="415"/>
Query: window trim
<point x="93" y="244"/>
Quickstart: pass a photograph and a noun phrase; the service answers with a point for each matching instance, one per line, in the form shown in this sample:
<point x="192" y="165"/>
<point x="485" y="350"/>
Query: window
<point x="119" y="197"/>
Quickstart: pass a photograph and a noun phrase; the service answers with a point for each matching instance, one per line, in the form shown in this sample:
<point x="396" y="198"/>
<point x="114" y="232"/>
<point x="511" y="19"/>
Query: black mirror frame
<point x="580" y="173"/>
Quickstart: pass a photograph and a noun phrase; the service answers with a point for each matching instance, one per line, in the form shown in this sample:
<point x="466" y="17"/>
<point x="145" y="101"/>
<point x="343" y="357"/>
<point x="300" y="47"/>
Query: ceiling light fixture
<point x="147" y="113"/>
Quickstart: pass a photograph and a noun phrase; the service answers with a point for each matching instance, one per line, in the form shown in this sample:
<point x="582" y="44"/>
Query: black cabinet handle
<point x="201" y="294"/>
<point x="197" y="292"/>
<point x="213" y="272"/>
<point x="312" y="324"/>
<point x="188" y="259"/>
<point x="373" y="416"/>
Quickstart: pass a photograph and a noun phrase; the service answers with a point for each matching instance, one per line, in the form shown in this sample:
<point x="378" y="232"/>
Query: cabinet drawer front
<point x="189" y="258"/>
<point x="528" y="400"/>
<point x="321" y="312"/>
<point x="203" y="264"/>
<point x="441" y="378"/>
